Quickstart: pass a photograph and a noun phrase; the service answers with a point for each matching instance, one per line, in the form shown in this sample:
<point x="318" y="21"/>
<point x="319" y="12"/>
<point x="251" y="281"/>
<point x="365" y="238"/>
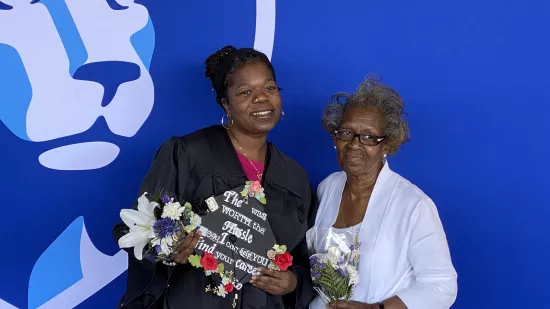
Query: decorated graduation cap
<point x="237" y="239"/>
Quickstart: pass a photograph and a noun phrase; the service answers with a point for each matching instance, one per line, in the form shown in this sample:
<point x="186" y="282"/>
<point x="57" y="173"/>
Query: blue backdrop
<point x="79" y="125"/>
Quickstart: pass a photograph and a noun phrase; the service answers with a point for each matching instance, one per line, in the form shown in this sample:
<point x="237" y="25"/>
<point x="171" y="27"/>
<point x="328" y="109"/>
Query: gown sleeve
<point x="168" y="171"/>
<point x="169" y="168"/>
<point x="304" y="293"/>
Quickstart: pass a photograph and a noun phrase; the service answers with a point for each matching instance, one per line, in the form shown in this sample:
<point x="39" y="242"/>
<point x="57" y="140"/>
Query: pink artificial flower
<point x="255" y="187"/>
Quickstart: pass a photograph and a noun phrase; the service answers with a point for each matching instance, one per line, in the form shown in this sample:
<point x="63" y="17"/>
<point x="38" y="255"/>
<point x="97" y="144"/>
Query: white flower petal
<point x="138" y="250"/>
<point x="142" y="201"/>
<point x="132" y="217"/>
<point x="151" y="208"/>
<point x="172" y="211"/>
<point x="146" y="207"/>
<point x="132" y="239"/>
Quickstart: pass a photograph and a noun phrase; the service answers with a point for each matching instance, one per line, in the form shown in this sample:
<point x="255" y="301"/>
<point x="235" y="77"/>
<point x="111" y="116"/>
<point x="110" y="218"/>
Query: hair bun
<point x="215" y="60"/>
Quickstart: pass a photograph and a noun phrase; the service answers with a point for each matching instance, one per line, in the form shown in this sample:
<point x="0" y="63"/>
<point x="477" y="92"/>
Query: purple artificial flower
<point x="165" y="227"/>
<point x="313" y="260"/>
<point x="342" y="272"/>
<point x="353" y="247"/>
<point x="165" y="199"/>
<point x="315" y="274"/>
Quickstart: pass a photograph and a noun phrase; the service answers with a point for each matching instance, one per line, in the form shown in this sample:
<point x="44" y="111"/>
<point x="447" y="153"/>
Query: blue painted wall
<point x="474" y="76"/>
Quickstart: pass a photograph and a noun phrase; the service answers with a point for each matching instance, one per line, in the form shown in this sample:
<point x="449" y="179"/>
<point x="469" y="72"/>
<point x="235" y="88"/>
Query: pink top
<point x="249" y="169"/>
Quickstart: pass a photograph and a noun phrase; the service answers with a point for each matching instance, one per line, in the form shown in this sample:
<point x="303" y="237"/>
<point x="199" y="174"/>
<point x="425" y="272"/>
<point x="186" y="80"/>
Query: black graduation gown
<point x="203" y="164"/>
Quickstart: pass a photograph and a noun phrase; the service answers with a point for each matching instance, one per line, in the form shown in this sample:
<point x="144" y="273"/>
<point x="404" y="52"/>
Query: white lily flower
<point x="140" y="223"/>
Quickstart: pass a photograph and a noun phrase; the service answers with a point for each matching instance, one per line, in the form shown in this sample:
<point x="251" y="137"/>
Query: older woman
<point x="218" y="158"/>
<point x="405" y="260"/>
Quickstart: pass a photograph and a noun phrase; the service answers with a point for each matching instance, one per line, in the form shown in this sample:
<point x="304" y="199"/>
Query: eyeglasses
<point x="365" y="139"/>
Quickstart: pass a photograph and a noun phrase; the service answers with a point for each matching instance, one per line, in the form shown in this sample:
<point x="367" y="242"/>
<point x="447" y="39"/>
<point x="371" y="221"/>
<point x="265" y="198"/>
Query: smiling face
<point x="355" y="158"/>
<point x="253" y="101"/>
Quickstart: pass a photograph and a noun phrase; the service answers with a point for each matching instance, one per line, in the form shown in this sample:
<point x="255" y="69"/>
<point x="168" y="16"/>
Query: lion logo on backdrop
<point x="64" y="65"/>
<point x="62" y="69"/>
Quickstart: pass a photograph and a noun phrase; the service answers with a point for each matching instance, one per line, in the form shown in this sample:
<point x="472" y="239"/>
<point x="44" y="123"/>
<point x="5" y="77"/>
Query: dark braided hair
<point x="226" y="61"/>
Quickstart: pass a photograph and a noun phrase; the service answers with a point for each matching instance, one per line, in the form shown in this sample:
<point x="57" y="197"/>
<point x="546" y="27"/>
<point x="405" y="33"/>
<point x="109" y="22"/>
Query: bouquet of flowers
<point x="334" y="265"/>
<point x="157" y="227"/>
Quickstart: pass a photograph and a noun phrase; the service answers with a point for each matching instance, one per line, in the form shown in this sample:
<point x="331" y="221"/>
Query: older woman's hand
<point x="274" y="282"/>
<point x="340" y="304"/>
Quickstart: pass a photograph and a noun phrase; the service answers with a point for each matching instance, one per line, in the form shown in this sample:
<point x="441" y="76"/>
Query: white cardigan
<point x="404" y="249"/>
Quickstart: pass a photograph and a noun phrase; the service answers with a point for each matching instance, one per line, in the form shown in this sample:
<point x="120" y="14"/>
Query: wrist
<point x="294" y="284"/>
<point x="294" y="275"/>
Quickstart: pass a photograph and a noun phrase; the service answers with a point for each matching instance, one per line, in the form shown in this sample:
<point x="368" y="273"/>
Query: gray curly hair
<point x="372" y="94"/>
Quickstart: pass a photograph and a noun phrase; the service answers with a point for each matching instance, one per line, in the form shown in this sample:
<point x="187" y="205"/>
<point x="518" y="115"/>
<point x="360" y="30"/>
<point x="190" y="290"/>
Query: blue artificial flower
<point x="165" y="227"/>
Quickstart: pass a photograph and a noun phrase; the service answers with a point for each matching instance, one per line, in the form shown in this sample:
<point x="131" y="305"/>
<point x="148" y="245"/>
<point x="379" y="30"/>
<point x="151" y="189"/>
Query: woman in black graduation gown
<point x="213" y="160"/>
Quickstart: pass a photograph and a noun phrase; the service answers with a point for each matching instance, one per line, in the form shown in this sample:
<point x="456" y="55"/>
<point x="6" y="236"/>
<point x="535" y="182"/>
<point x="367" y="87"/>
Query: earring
<point x="385" y="155"/>
<point x="334" y="147"/>
<point x="228" y="117"/>
<point x="283" y="114"/>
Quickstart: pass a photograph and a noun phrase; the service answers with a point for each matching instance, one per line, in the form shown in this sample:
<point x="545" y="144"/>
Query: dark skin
<point x="187" y="246"/>
<point x="251" y="90"/>
<point x="253" y="107"/>
<point x="362" y="165"/>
